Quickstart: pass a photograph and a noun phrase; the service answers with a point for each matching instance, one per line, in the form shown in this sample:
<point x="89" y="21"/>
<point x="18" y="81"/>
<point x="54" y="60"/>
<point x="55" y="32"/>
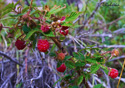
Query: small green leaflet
<point x="52" y="54"/>
<point x="72" y="16"/>
<point x="6" y="12"/>
<point x="78" y="55"/>
<point x="79" y="64"/>
<point x="25" y="9"/>
<point x="26" y="29"/>
<point x="91" y="60"/>
<point x="70" y="64"/>
<point x="16" y="15"/>
<point x="94" y="68"/>
<point x="49" y="34"/>
<point x="73" y="87"/>
<point x="10" y="5"/>
<point x="57" y="81"/>
<point x="105" y="69"/>
<point x="79" y="80"/>
<point x="55" y="9"/>
<point x="97" y="86"/>
<point x="67" y="57"/>
<point x="30" y="34"/>
<point x="67" y="24"/>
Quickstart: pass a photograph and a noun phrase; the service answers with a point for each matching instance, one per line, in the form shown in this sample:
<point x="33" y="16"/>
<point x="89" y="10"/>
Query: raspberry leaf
<point x="30" y="34"/>
<point x="94" y="68"/>
<point x="79" y="79"/>
<point x="26" y="29"/>
<point x="98" y="86"/>
<point x="72" y="16"/>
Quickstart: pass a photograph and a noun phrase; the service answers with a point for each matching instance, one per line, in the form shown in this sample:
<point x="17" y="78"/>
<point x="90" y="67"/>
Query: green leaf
<point x="16" y="3"/>
<point x="26" y="29"/>
<point x="72" y="16"/>
<point x="25" y="9"/>
<point x="68" y="76"/>
<point x="55" y="9"/>
<point x="67" y="57"/>
<point x="66" y="24"/>
<point x="53" y="47"/>
<point x="94" y="68"/>
<point x="16" y="15"/>
<point x="69" y="64"/>
<point x="76" y="55"/>
<point x="91" y="60"/>
<point x="80" y="64"/>
<point x="52" y="54"/>
<point x="19" y="85"/>
<point x="73" y="87"/>
<point x="34" y="42"/>
<point x="30" y="34"/>
<point x="105" y="69"/>
<point x="49" y="34"/>
<point x="57" y="81"/>
<point x="10" y="5"/>
<point x="81" y="55"/>
<point x="34" y="12"/>
<point x="79" y="80"/>
<point x="98" y="86"/>
<point x="6" y="12"/>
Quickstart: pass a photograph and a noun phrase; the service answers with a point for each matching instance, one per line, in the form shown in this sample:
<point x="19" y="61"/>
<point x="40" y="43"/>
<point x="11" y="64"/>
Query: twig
<point x="40" y="75"/>
<point x="3" y="54"/>
<point x="122" y="79"/>
<point x="109" y="46"/>
<point x="86" y="21"/>
<point x="47" y="85"/>
<point x="109" y="23"/>
<point x="117" y="58"/>
<point x="8" y="78"/>
<point x="31" y="5"/>
<point x="56" y="41"/>
<point x="121" y="73"/>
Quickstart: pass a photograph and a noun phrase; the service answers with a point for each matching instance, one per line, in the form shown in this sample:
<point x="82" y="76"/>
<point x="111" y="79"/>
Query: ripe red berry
<point x="61" y="56"/>
<point x="62" y="68"/>
<point x="64" y="32"/>
<point x="20" y="44"/>
<point x="43" y="45"/>
<point x="63" y="18"/>
<point x="113" y="73"/>
<point x="64" y="27"/>
<point x="44" y="28"/>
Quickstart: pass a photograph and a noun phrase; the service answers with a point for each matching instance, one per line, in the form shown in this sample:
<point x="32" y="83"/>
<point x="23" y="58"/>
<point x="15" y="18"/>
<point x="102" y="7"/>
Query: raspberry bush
<point x="74" y="59"/>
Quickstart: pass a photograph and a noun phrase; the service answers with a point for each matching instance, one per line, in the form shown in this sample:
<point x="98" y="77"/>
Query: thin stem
<point x="121" y="74"/>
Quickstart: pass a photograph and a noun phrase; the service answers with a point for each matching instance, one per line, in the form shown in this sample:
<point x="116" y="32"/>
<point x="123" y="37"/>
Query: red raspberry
<point x="44" y="28"/>
<point x="20" y="44"/>
<point x="64" y="27"/>
<point x="61" y="56"/>
<point x="113" y="73"/>
<point x="43" y="45"/>
<point x="62" y="68"/>
<point x="63" y="18"/>
<point x="64" y="32"/>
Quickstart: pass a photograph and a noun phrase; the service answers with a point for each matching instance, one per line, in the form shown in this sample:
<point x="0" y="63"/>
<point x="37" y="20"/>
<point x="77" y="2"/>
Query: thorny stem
<point x="31" y="5"/>
<point x="56" y="42"/>
<point x="121" y="73"/>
